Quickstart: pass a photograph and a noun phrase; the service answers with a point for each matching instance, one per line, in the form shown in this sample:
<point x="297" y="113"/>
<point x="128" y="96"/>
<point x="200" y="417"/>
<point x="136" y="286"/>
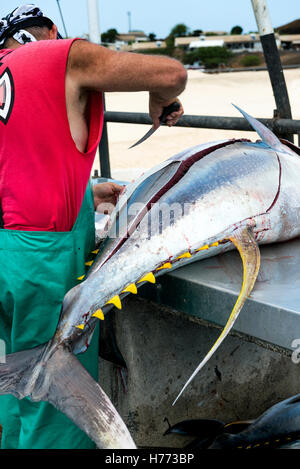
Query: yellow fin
<point x="186" y="254"/>
<point x="89" y="263"/>
<point x="167" y="265"/>
<point x="95" y="252"/>
<point x="130" y="289"/>
<point x="98" y="314"/>
<point x="148" y="278"/>
<point x="81" y="278"/>
<point x="115" y="300"/>
<point x="244" y="241"/>
<point x="203" y="248"/>
<point x="214" y="244"/>
<point x="80" y="326"/>
<point x="231" y="426"/>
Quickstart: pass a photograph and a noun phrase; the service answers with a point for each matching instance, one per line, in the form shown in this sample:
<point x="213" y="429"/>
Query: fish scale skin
<point x="232" y="185"/>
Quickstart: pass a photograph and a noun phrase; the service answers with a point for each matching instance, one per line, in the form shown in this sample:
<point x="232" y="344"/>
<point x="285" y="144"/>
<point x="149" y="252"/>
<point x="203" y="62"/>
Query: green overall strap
<point x="37" y="269"/>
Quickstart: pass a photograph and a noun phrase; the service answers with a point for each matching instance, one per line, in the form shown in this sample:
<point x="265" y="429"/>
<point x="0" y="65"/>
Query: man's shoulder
<point x="44" y="47"/>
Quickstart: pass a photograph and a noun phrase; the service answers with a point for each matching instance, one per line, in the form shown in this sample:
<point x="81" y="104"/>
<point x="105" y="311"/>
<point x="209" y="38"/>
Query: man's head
<point x="26" y="24"/>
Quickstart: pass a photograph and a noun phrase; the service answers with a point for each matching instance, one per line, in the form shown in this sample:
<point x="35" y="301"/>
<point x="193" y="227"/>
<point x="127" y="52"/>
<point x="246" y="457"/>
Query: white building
<point x="204" y="42"/>
<point x="236" y="43"/>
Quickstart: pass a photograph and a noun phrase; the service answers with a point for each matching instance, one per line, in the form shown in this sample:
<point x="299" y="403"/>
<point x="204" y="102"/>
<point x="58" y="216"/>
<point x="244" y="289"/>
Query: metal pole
<point x="62" y="18"/>
<point x="104" y="151"/>
<point x="129" y="21"/>
<point x="94" y="36"/>
<point x="273" y="62"/>
<point x="279" y="126"/>
<point x="94" y="27"/>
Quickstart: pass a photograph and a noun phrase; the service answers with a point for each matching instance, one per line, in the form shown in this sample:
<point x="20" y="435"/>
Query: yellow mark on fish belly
<point x="206" y="246"/>
<point x="130" y="289"/>
<point x="148" y="278"/>
<point x="167" y="265"/>
<point x="115" y="300"/>
<point x="203" y="248"/>
<point x="186" y="254"/>
<point x="98" y="314"/>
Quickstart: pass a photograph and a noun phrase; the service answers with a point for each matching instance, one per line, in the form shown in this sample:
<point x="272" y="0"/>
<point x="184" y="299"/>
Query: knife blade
<point x="173" y="107"/>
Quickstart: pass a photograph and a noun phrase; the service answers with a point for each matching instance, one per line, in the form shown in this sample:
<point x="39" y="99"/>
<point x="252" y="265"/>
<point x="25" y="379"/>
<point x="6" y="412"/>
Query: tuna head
<point x="203" y="201"/>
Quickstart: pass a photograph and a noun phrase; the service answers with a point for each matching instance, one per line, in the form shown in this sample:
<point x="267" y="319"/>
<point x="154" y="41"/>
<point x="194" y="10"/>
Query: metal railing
<point x="283" y="128"/>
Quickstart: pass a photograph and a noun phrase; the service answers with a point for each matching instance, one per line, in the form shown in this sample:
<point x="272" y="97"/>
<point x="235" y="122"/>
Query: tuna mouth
<point x="147" y="277"/>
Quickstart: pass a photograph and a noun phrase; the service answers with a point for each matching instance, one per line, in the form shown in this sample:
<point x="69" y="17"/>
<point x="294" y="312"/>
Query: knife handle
<point x="173" y="107"/>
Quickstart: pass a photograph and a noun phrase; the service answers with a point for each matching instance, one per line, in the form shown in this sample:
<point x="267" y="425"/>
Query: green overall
<point x="37" y="269"/>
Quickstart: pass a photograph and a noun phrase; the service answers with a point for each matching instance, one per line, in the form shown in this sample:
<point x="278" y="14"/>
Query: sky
<point x="159" y="16"/>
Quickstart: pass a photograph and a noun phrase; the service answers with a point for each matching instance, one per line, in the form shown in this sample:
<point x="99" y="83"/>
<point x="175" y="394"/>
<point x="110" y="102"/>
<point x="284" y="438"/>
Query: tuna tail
<point x="59" y="378"/>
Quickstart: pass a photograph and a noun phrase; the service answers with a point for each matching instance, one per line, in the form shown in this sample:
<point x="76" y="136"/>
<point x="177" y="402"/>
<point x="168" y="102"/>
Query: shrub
<point x="159" y="51"/>
<point x="250" y="60"/>
<point x="210" y="57"/>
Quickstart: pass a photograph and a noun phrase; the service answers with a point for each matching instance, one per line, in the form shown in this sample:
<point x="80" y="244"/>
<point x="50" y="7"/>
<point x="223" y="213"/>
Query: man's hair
<point x="39" y="32"/>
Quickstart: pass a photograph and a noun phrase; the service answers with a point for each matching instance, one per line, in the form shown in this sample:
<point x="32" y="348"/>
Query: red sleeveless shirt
<point x="43" y="176"/>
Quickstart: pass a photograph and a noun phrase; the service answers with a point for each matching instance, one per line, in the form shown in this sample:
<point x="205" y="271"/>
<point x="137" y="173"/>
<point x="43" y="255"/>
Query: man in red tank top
<point x="37" y="113"/>
<point x="50" y="125"/>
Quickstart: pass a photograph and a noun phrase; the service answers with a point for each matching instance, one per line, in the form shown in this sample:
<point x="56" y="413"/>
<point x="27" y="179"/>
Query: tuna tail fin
<point x="244" y="241"/>
<point x="16" y="372"/>
<point x="267" y="136"/>
<point x="59" y="378"/>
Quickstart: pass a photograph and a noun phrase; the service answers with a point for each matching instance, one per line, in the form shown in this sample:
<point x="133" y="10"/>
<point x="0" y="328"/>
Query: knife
<point x="173" y="107"/>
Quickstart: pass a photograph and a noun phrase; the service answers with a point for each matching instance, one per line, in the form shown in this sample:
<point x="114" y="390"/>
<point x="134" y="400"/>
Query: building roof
<point x="138" y="46"/>
<point x="148" y="45"/>
<point x="290" y="28"/>
<point x="131" y="36"/>
<point x="215" y="33"/>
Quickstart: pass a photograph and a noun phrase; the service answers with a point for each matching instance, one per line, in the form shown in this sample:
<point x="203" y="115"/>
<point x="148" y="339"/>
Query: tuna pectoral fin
<point x="59" y="378"/>
<point x="245" y="243"/>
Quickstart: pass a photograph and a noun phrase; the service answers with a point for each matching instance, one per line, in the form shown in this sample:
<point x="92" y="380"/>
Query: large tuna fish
<point x="203" y="201"/>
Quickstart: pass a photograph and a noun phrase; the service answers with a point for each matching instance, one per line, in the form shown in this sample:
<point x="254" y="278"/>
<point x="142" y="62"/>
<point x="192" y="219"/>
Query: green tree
<point x="236" y="30"/>
<point x="170" y="41"/>
<point x="210" y="57"/>
<point x="152" y="37"/>
<point x="109" y="35"/>
<point x="197" y="32"/>
<point x="179" y="30"/>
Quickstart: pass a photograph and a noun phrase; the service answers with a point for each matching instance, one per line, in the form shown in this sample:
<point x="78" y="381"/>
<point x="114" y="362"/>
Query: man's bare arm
<point x="96" y="67"/>
<point x="93" y="67"/>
